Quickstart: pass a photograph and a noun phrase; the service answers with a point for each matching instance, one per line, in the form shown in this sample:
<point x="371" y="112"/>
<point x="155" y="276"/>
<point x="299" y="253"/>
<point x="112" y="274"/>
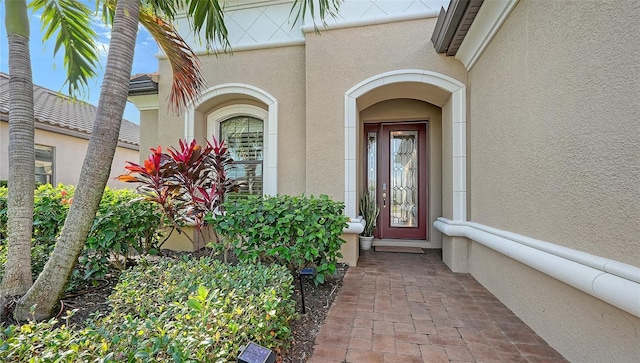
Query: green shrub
<point x="296" y="232"/>
<point x="49" y="212"/>
<point x="194" y="310"/>
<point x="122" y="223"/>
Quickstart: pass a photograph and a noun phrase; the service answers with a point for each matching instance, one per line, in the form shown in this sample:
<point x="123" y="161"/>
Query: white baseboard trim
<point x="611" y="281"/>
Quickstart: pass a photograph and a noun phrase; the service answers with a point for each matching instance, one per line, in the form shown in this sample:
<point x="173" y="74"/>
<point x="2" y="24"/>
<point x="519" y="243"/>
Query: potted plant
<point x="370" y="211"/>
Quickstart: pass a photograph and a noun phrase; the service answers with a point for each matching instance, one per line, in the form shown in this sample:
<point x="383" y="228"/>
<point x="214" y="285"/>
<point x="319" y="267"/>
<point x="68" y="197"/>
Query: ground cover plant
<point x="170" y="311"/>
<point x="185" y="310"/>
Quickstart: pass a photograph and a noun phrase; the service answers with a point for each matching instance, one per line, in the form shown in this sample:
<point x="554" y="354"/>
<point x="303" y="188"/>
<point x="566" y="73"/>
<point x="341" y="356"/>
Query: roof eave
<point x="453" y="24"/>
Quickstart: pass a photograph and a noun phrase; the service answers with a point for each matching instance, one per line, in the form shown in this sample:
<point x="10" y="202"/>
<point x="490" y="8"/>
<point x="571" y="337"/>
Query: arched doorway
<point x="430" y="87"/>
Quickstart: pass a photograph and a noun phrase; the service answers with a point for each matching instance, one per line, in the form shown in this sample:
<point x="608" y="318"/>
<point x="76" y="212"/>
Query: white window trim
<point x="217" y="117"/>
<point x="270" y="161"/>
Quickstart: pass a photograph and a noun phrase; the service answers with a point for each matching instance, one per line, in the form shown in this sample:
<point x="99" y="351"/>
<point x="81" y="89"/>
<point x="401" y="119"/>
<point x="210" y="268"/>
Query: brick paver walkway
<point x="396" y="307"/>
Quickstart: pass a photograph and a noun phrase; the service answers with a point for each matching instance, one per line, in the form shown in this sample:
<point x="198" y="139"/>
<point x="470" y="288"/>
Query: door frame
<point x="382" y="158"/>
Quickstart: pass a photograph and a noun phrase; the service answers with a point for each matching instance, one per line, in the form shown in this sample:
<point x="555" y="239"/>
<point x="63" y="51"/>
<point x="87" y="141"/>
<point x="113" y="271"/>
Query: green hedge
<point x="123" y="223"/>
<point x="296" y="232"/>
<point x="191" y="310"/>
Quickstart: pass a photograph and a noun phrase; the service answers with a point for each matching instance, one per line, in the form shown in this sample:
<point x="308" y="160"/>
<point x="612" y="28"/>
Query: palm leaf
<point x="324" y="8"/>
<point x="70" y="22"/>
<point x="188" y="81"/>
<point x="208" y="15"/>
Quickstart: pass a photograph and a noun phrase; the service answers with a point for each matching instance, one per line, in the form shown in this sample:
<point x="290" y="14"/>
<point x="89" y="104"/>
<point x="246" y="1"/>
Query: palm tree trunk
<point x="49" y="287"/>
<point x="17" y="273"/>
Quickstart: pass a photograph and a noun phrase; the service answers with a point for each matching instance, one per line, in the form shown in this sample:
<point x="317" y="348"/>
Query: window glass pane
<point x="372" y="162"/>
<point x="249" y="176"/>
<point x="244" y="137"/>
<point x="44" y="164"/>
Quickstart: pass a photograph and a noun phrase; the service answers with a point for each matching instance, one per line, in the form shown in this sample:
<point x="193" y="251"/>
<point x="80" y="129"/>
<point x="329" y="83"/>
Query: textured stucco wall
<point x="148" y="132"/>
<point x="414" y="110"/>
<point x="554" y="155"/>
<point x="278" y="71"/>
<point x="580" y="327"/>
<point x="68" y="157"/>
<point x="337" y="60"/>
<point x="554" y="127"/>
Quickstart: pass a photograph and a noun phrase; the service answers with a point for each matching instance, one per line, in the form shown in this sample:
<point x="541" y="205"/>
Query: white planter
<point x="365" y="242"/>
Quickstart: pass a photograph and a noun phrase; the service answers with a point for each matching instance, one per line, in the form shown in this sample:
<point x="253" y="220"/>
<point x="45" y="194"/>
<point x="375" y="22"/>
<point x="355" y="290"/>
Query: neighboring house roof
<point x="59" y="113"/>
<point x="143" y="84"/>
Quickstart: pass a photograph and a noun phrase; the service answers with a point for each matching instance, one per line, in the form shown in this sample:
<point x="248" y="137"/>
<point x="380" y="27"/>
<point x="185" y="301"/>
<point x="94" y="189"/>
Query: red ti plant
<point x="187" y="182"/>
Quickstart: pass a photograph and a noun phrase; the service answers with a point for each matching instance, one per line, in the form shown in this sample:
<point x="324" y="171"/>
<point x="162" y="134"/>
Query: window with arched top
<point x="244" y="128"/>
<point x="244" y="136"/>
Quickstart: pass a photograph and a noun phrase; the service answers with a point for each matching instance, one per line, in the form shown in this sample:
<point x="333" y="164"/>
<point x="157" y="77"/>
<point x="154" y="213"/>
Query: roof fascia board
<point x="438" y="29"/>
<point x="488" y="21"/>
<point x="450" y="24"/>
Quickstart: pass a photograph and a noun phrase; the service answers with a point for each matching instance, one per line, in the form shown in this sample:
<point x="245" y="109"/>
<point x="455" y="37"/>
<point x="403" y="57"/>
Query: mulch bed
<point x="318" y="300"/>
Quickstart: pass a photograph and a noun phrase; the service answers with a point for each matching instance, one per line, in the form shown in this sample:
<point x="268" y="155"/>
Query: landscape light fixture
<point x="254" y="353"/>
<point x="305" y="272"/>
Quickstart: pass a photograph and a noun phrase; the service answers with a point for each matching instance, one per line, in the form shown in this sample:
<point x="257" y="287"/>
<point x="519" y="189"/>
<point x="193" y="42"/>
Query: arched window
<point x="244" y="135"/>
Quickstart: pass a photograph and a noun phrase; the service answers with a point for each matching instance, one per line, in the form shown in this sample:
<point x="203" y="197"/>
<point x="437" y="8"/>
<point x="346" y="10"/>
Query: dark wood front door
<point x="397" y="169"/>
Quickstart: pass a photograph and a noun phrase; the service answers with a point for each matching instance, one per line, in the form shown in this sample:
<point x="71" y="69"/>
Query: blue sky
<point x="48" y="71"/>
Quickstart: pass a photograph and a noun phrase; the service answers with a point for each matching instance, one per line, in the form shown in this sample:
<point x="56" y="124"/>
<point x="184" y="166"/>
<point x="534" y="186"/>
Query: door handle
<point x="384" y="200"/>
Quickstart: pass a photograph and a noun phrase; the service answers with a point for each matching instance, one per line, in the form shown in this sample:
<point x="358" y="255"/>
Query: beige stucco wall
<point x="277" y="71"/>
<point x="399" y="110"/>
<point x="581" y="327"/>
<point x="554" y="147"/>
<point x="68" y="157"/>
<point x="148" y="132"/>
<point x="554" y="133"/>
<point x="339" y="59"/>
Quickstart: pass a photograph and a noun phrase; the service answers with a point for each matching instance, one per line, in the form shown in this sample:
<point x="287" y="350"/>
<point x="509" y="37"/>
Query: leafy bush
<point x="193" y="310"/>
<point x="187" y="183"/>
<point x="122" y="223"/>
<point x="296" y="232"/>
<point x="51" y="205"/>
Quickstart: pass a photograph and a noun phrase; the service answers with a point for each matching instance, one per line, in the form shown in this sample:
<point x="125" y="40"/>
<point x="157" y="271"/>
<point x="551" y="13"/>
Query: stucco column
<point x="455" y="253"/>
<point x="455" y="250"/>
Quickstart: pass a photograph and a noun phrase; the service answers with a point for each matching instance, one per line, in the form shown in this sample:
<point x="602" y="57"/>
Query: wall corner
<point x="455" y="253"/>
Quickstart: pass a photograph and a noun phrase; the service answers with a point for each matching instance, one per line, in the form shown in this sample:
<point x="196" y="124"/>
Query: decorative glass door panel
<point x="403" y="187"/>
<point x="397" y="170"/>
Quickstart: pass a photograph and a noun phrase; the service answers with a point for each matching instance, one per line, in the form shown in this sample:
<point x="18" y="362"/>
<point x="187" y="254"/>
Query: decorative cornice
<point x="372" y="21"/>
<point x="145" y="102"/>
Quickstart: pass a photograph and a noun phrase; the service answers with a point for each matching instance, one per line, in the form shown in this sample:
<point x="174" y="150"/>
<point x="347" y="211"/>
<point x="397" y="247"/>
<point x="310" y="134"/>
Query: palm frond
<point x="324" y="8"/>
<point x="70" y="22"/>
<point x="208" y="15"/>
<point x="188" y="81"/>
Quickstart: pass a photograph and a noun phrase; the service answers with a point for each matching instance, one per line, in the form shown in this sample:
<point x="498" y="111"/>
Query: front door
<point x="397" y="170"/>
